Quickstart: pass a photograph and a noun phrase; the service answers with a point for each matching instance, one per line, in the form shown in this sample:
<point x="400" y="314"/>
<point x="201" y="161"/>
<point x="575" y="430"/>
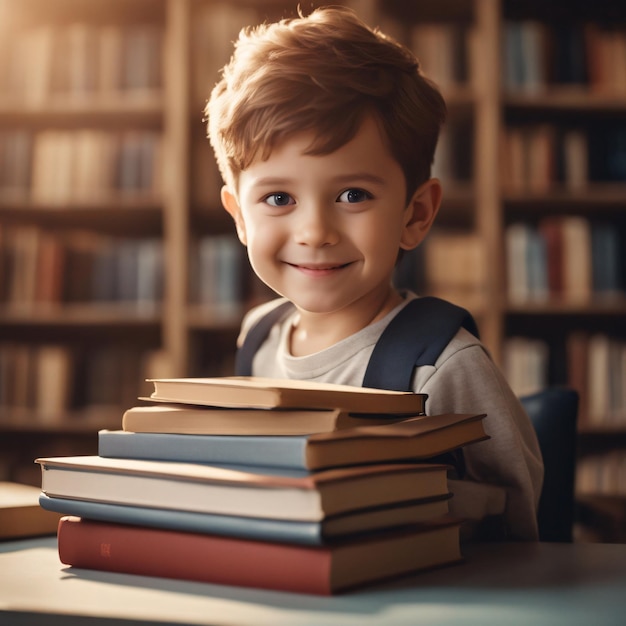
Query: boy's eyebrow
<point x="273" y="181"/>
<point x="361" y="177"/>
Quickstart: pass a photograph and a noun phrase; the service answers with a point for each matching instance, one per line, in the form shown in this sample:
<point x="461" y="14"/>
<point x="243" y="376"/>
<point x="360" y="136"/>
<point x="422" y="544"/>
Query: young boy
<point x="324" y="131"/>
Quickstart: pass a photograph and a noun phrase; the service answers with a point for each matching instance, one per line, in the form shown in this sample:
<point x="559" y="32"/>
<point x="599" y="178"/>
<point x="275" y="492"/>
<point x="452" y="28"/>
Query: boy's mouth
<point x="318" y="269"/>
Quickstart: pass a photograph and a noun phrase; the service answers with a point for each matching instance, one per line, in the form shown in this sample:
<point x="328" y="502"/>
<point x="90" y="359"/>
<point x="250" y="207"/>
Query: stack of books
<point x="274" y="484"/>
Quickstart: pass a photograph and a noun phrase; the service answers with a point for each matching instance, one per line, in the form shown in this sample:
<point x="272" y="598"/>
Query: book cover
<point x="213" y="559"/>
<point x="246" y="491"/>
<point x="264" y="529"/>
<point x="258" y="392"/>
<point x="20" y="513"/>
<point x="417" y="438"/>
<point x="188" y="419"/>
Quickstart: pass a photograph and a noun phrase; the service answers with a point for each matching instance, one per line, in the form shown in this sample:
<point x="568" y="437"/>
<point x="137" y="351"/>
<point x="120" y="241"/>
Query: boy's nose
<point x="316" y="227"/>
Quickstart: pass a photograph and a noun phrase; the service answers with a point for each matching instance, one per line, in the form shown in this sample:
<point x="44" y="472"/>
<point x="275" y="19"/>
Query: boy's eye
<point x="279" y="199"/>
<point x="354" y="195"/>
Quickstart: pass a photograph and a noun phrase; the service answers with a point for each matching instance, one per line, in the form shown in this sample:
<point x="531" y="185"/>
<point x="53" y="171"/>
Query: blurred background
<point x="117" y="262"/>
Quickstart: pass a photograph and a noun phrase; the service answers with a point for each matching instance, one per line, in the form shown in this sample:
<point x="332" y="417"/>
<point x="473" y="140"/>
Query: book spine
<point x="196" y="557"/>
<point x="284" y="451"/>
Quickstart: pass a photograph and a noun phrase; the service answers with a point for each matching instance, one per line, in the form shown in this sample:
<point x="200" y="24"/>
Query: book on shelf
<point x="21" y="515"/>
<point x="563" y="256"/>
<point x="596" y="368"/>
<point x="525" y="364"/>
<point x="218" y="271"/>
<point x="577" y="275"/>
<point x="607" y="258"/>
<point x="246" y="491"/>
<point x="15" y="157"/>
<point x="442" y="50"/>
<point x="78" y="60"/>
<point x="53" y="382"/>
<point x="321" y="570"/>
<point x="517" y="235"/>
<point x="259" y="392"/>
<point x="524" y="48"/>
<point x="78" y="165"/>
<point x="411" y="439"/>
<point x="142" y="59"/>
<point x="50" y="270"/>
<point x="605" y="48"/>
<point x="466" y="253"/>
<point x="577" y="355"/>
<point x="264" y="529"/>
<point x="549" y="228"/>
<point x="74" y="69"/>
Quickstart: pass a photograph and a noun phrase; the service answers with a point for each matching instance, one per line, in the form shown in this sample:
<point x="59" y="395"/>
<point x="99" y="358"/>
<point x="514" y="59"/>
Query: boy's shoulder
<point x="416" y="336"/>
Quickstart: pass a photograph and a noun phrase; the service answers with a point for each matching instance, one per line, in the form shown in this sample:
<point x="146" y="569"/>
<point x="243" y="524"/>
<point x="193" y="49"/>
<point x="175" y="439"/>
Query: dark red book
<point x="321" y="570"/>
<point x="552" y="231"/>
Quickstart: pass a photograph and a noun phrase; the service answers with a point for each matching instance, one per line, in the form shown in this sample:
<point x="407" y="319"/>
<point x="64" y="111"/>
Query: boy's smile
<point x="324" y="231"/>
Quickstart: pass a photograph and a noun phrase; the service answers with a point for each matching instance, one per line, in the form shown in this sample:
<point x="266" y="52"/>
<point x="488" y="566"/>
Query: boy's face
<point x="324" y="231"/>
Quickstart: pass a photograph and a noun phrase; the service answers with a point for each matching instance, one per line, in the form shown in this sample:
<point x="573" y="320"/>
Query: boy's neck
<point x="314" y="332"/>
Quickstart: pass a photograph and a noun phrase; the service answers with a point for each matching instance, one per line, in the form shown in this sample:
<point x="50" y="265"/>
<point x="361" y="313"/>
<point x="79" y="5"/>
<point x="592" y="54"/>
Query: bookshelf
<point x="563" y="201"/>
<point x="534" y="145"/>
<point x="84" y="129"/>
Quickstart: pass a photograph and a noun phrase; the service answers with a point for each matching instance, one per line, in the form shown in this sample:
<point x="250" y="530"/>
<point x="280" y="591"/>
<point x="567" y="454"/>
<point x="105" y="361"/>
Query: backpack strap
<point x="414" y="337"/>
<point x="256" y="335"/>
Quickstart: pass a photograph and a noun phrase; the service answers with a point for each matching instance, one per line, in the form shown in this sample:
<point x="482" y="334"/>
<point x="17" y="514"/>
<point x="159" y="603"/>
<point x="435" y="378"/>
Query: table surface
<point x="513" y="584"/>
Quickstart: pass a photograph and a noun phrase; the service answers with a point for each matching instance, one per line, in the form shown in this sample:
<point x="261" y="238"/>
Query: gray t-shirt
<point x="503" y="474"/>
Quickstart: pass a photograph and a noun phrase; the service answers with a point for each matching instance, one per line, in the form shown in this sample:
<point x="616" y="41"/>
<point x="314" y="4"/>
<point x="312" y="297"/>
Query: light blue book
<point x="273" y="451"/>
<point x="264" y="529"/>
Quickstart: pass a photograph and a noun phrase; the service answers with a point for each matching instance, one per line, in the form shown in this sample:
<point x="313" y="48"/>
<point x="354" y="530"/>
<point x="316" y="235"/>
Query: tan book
<point x="21" y="515"/>
<point x="204" y="420"/>
<point x="258" y="392"/>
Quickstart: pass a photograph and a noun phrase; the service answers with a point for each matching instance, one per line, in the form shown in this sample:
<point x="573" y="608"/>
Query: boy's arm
<point x="465" y="379"/>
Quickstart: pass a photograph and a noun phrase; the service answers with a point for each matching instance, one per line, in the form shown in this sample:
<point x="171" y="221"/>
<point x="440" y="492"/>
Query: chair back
<point x="554" y="413"/>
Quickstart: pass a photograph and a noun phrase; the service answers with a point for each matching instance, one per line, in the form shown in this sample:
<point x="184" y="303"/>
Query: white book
<point x="246" y="491"/>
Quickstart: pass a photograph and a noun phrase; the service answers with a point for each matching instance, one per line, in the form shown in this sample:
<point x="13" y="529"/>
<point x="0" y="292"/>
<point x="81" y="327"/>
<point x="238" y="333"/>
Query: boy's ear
<point x="420" y="213"/>
<point x="230" y="203"/>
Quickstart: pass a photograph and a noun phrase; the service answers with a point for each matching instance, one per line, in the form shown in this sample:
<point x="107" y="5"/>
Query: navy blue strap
<point x="415" y="337"/>
<point x="256" y="336"/>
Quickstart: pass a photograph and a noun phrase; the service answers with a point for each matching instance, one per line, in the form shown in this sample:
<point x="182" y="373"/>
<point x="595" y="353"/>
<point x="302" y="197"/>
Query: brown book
<point x="320" y="570"/>
<point x="251" y="492"/>
<point x="550" y="229"/>
<point x="258" y="392"/>
<point x="21" y="515"/>
<point x="204" y="420"/>
<point x="416" y="438"/>
<point x="577" y="350"/>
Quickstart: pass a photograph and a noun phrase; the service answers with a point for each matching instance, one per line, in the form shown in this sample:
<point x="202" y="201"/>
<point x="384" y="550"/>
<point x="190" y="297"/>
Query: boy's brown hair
<point x="323" y="73"/>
